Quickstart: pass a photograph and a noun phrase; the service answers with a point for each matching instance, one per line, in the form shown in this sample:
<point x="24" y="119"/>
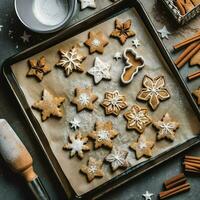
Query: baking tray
<point x="100" y="17"/>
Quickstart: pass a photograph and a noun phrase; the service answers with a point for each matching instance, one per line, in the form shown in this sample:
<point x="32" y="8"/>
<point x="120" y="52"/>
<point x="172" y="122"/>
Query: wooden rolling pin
<point x="19" y="159"/>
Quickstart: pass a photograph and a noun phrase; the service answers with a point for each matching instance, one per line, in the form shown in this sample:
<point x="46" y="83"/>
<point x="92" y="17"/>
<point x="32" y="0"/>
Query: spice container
<point x="181" y="19"/>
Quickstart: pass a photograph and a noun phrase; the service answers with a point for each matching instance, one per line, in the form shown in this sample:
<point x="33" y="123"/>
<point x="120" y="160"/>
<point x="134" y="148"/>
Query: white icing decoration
<point x="167" y="127"/>
<point x="136" y="43"/>
<point x="147" y="195"/>
<point x="100" y="70"/>
<point x="117" y="56"/>
<point x="84" y="99"/>
<point x="115" y="100"/>
<point x="77" y="145"/>
<point x="87" y="3"/>
<point x="92" y="169"/>
<point x="164" y="32"/>
<point x="96" y="42"/>
<point x="102" y="135"/>
<point x="142" y="145"/>
<point x="75" y="123"/>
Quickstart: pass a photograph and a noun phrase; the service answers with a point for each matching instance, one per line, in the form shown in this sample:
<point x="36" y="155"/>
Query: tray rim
<point x="59" y="38"/>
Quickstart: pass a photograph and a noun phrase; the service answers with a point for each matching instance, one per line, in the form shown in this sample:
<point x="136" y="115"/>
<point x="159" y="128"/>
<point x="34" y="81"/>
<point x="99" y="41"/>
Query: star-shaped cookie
<point x="103" y="134"/>
<point x="196" y="93"/>
<point x="87" y="4"/>
<point x="96" y="42"/>
<point x="100" y="70"/>
<point x="117" y="158"/>
<point x="38" y="68"/>
<point x="93" y="169"/>
<point x="49" y="105"/>
<point x="142" y="147"/>
<point x="114" y="102"/>
<point x="84" y="99"/>
<point x="71" y="61"/>
<point x="154" y="91"/>
<point x="77" y="145"/>
<point x="167" y="127"/>
<point x="137" y="118"/>
<point x="122" y="31"/>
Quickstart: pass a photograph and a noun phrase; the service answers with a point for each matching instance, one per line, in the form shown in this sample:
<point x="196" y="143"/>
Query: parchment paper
<point x="57" y="131"/>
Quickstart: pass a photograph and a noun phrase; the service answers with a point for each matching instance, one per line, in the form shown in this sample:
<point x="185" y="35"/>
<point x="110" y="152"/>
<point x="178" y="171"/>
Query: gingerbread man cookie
<point x="142" y="147"/>
<point x="114" y="102"/>
<point x="167" y="127"/>
<point x="77" y="145"/>
<point x="96" y="42"/>
<point x="49" y="105"/>
<point x="93" y="169"/>
<point x="122" y="31"/>
<point x="103" y="134"/>
<point x="84" y="99"/>
<point x="137" y="118"/>
<point x="38" y="68"/>
<point x="154" y="90"/>
<point x="71" y="61"/>
<point x="117" y="158"/>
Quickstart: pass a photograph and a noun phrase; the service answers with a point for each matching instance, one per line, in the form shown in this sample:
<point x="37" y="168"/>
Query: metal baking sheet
<point x="52" y="134"/>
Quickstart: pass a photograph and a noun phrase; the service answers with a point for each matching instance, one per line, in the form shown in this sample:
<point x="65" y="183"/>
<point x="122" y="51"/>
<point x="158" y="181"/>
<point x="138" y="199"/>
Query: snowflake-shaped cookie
<point x="142" y="147"/>
<point x="167" y="127"/>
<point x="84" y="98"/>
<point x="38" y="68"/>
<point x="137" y="118"/>
<point x="117" y="158"/>
<point x="87" y="4"/>
<point x="103" y="134"/>
<point x="154" y="90"/>
<point x="114" y="102"/>
<point x="100" y="70"/>
<point x="75" y="123"/>
<point x="93" y="169"/>
<point x="77" y="145"/>
<point x="71" y="61"/>
<point x="49" y="105"/>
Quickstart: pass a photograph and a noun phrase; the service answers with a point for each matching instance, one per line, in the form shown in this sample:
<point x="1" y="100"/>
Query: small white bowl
<point x="45" y="16"/>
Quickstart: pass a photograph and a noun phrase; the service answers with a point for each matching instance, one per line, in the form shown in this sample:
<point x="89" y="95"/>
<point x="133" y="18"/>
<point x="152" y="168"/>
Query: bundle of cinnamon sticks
<point x="192" y="164"/>
<point x="192" y="48"/>
<point x="174" y="186"/>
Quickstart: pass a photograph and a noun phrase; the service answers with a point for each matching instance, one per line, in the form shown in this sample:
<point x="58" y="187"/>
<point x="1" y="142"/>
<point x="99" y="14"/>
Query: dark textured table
<point x="12" y="187"/>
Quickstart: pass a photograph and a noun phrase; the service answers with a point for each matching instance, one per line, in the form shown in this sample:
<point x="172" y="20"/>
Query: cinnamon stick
<point x="174" y="179"/>
<point x="187" y="41"/>
<point x="174" y="191"/>
<point x="194" y="75"/>
<point x="191" y="170"/>
<point x="192" y="158"/>
<point x="176" y="183"/>
<point x="193" y="161"/>
<point x="192" y="164"/>
<point x="188" y="56"/>
<point x="186" y="51"/>
<point x="191" y="167"/>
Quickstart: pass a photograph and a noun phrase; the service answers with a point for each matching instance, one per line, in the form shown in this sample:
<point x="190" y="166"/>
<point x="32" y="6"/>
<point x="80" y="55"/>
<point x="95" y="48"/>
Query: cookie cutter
<point x="130" y="65"/>
<point x="26" y="14"/>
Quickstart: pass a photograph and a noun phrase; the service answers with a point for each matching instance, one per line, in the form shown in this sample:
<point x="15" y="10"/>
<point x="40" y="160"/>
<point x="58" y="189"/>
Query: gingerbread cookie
<point x="154" y="90"/>
<point x="137" y="118"/>
<point x="196" y="2"/>
<point x="96" y="42"/>
<point x="117" y="158"/>
<point x="84" y="99"/>
<point x="122" y="31"/>
<point x="49" y="105"/>
<point x="133" y="64"/>
<point x="196" y="93"/>
<point x="77" y="145"/>
<point x="195" y="60"/>
<point x="103" y="134"/>
<point x="114" y="102"/>
<point x="142" y="147"/>
<point x="38" y="68"/>
<point x="71" y="61"/>
<point x="100" y="70"/>
<point x="167" y="127"/>
<point x="93" y="169"/>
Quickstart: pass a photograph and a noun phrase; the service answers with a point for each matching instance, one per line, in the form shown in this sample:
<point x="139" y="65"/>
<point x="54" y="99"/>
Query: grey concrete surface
<point x="12" y="187"/>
